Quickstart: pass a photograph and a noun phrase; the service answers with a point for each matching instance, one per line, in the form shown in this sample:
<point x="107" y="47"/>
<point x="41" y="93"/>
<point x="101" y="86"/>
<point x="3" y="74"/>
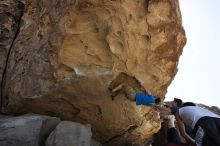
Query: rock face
<point x="10" y="15"/>
<point x="41" y="130"/>
<point x="67" y="52"/>
<point x="28" y="130"/>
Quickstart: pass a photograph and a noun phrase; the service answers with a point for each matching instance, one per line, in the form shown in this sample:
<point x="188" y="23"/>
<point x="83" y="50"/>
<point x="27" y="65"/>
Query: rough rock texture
<point x="10" y="14"/>
<point x="213" y="109"/>
<point x="160" y="138"/>
<point x="69" y="133"/>
<point x="67" y="53"/>
<point x="94" y="143"/>
<point x="26" y="130"/>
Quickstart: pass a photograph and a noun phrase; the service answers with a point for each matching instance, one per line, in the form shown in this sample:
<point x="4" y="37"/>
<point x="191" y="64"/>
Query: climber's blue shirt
<point x="144" y="99"/>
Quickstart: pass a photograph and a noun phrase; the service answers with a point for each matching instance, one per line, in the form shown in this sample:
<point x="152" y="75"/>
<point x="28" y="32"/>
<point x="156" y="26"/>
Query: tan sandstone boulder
<point x="67" y="53"/>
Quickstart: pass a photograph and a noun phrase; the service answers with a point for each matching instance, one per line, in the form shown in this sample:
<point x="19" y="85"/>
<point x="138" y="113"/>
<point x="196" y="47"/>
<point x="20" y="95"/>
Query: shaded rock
<point x="94" y="143"/>
<point x="160" y="138"/>
<point x="67" y="53"/>
<point x="26" y="130"/>
<point x="47" y="127"/>
<point x="70" y="134"/>
<point x="10" y="15"/>
<point x="4" y="116"/>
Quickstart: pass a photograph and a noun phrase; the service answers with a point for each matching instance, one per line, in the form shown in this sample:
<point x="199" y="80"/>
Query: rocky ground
<point x="40" y="130"/>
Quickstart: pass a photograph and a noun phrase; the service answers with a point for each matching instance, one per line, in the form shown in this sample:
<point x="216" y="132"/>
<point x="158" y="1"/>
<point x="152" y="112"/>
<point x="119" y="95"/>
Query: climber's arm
<point x="163" y="110"/>
<point x="182" y="129"/>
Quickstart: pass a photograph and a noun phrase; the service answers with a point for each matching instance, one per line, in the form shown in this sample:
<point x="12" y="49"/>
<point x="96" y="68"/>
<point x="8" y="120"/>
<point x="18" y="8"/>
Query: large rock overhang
<point x="67" y="52"/>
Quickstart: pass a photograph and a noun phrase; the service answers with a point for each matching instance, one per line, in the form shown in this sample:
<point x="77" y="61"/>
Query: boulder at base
<point x="69" y="133"/>
<point x="26" y="130"/>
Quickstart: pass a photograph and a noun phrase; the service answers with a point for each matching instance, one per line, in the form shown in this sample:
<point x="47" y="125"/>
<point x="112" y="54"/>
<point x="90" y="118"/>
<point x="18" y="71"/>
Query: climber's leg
<point x="119" y="87"/>
<point x="129" y="91"/>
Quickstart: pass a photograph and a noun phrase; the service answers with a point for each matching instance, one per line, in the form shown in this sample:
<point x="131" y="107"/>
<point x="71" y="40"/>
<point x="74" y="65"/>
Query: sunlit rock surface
<point x="67" y="52"/>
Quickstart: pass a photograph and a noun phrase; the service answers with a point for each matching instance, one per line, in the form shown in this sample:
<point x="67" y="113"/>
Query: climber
<point x="205" y="124"/>
<point x="141" y="97"/>
<point x="171" y="108"/>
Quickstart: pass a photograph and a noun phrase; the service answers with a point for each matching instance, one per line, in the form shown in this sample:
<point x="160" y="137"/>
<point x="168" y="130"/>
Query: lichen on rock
<point x="67" y="53"/>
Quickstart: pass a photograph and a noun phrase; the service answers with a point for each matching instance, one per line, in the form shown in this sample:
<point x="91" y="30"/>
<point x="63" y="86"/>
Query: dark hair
<point x="157" y="100"/>
<point x="188" y="104"/>
<point x="178" y="101"/>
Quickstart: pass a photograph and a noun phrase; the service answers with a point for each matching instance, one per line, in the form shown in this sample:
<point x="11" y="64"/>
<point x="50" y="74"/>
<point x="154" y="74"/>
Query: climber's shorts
<point x="129" y="92"/>
<point x="208" y="132"/>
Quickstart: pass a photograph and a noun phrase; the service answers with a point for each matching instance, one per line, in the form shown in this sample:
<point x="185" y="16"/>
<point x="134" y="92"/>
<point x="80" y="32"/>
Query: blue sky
<point x="198" y="77"/>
